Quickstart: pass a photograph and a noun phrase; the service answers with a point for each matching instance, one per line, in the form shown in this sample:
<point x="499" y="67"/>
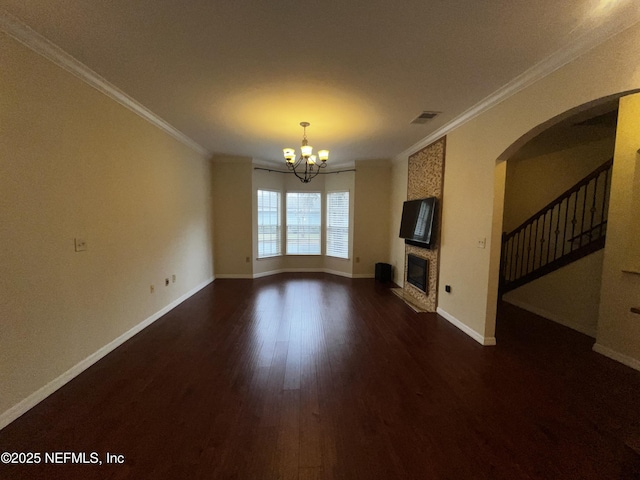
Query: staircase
<point x="567" y="229"/>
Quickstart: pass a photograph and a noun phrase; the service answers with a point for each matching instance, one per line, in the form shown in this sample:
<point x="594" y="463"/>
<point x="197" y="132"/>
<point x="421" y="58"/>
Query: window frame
<point x="328" y="227"/>
<point x="279" y="223"/>
<point x="320" y="226"/>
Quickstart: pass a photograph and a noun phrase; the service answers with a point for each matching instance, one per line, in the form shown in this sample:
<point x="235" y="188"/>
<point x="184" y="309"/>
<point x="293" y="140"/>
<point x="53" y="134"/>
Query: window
<point x="338" y="224"/>
<point x="269" y="224"/>
<point x="304" y="214"/>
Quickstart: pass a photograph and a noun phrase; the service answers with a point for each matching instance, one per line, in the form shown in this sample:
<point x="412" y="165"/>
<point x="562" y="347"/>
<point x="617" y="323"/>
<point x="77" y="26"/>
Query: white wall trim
<point x="482" y="340"/>
<point x="303" y="270"/>
<point x="268" y="273"/>
<point x="35" y="398"/>
<point x="565" y="55"/>
<point x="39" y="44"/>
<point x="310" y="270"/>
<point x="234" y="275"/>
<point x="363" y="275"/>
<point x="338" y="273"/>
<point x="548" y="315"/>
<point x="617" y="356"/>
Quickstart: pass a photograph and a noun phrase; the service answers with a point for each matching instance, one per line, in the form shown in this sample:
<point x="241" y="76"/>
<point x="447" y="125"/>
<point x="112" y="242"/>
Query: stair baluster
<point x="529" y="252"/>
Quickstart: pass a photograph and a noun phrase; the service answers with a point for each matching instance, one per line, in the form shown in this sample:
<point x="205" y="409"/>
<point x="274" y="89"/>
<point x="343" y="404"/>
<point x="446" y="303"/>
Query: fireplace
<point x="417" y="270"/>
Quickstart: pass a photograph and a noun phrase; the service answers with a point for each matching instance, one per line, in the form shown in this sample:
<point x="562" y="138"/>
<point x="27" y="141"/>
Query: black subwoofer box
<point x="383" y="272"/>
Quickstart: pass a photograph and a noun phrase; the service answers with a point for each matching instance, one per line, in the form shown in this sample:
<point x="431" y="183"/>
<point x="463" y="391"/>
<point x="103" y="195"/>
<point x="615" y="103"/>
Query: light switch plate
<point x="80" y="244"/>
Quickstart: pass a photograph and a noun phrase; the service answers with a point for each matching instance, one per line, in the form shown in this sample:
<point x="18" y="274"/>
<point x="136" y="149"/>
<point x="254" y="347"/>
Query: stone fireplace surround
<point x="425" y="179"/>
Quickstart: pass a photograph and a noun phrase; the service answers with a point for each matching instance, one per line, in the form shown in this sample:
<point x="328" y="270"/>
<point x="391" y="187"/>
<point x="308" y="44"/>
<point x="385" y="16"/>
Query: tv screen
<point x="418" y="222"/>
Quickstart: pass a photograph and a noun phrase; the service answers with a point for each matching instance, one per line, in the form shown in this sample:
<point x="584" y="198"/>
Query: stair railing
<point x="570" y="227"/>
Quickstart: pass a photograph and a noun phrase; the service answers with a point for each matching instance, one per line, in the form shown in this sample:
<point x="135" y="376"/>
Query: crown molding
<point x="15" y="28"/>
<point x="557" y="60"/>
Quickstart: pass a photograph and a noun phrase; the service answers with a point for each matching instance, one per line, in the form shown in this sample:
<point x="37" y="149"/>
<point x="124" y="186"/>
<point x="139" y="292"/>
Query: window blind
<point x="304" y="218"/>
<point x="269" y="224"/>
<point x="338" y="224"/>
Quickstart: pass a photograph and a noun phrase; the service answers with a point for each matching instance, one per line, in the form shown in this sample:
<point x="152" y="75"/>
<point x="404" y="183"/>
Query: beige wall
<point x="372" y="211"/>
<point x="397" y="195"/>
<point x="569" y="296"/>
<point x="472" y="204"/>
<point x="618" y="328"/>
<point x="75" y="163"/>
<point x="632" y="261"/>
<point x="467" y="212"/>
<point x="232" y="200"/>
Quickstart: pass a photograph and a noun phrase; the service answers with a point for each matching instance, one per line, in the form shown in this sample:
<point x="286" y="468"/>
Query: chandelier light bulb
<point x="323" y="155"/>
<point x="306" y="150"/>
<point x="289" y="154"/>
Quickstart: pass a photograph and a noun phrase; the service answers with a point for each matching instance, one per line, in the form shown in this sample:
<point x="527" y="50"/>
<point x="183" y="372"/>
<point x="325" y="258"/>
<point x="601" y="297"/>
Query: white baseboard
<point x="337" y="273"/>
<point x="617" y="356"/>
<point x="346" y="274"/>
<point x="481" y="339"/>
<point x="268" y="273"/>
<point x="363" y="275"/>
<point x="32" y="400"/>
<point x="234" y="275"/>
<point x="305" y="270"/>
<point x="550" y="316"/>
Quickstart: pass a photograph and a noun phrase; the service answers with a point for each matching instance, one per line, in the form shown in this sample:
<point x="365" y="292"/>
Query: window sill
<point x="269" y="258"/>
<point x="302" y="255"/>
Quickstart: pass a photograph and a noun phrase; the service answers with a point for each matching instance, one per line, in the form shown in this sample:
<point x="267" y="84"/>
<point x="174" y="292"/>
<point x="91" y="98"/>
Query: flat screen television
<point x="418" y="223"/>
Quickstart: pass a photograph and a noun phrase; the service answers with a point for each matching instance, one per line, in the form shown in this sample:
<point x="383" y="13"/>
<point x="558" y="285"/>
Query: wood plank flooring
<point x="312" y="376"/>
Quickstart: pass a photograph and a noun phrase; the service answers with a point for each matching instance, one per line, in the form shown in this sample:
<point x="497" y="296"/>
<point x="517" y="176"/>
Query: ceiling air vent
<point x="424" y="117"/>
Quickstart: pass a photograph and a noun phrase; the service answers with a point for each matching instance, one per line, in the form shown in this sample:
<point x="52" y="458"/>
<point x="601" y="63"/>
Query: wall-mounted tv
<point x="419" y="222"/>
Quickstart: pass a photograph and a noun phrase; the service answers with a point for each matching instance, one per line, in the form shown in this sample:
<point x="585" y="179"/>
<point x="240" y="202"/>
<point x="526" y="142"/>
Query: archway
<point x="541" y="166"/>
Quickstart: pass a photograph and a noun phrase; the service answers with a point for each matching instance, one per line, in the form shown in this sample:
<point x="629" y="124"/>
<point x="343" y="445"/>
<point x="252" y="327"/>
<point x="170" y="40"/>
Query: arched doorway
<point x="543" y="165"/>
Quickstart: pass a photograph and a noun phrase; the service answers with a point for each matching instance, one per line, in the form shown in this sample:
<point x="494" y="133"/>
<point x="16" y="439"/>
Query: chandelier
<point x="310" y="161"/>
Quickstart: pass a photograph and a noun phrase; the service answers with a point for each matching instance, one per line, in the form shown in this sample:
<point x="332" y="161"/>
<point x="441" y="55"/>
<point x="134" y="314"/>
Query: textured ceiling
<point x="237" y="77"/>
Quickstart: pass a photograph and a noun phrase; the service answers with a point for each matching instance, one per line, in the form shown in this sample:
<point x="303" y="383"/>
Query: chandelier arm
<point x="294" y="165"/>
<point x="308" y="170"/>
<point x="302" y="179"/>
<point x="313" y="173"/>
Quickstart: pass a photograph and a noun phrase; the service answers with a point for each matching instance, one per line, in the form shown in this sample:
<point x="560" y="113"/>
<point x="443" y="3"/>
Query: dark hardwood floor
<point x="312" y="376"/>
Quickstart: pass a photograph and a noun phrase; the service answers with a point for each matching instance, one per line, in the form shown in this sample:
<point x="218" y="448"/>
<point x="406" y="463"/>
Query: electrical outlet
<point x="173" y="278"/>
<point x="481" y="242"/>
<point x="151" y="288"/>
<point x="447" y="288"/>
